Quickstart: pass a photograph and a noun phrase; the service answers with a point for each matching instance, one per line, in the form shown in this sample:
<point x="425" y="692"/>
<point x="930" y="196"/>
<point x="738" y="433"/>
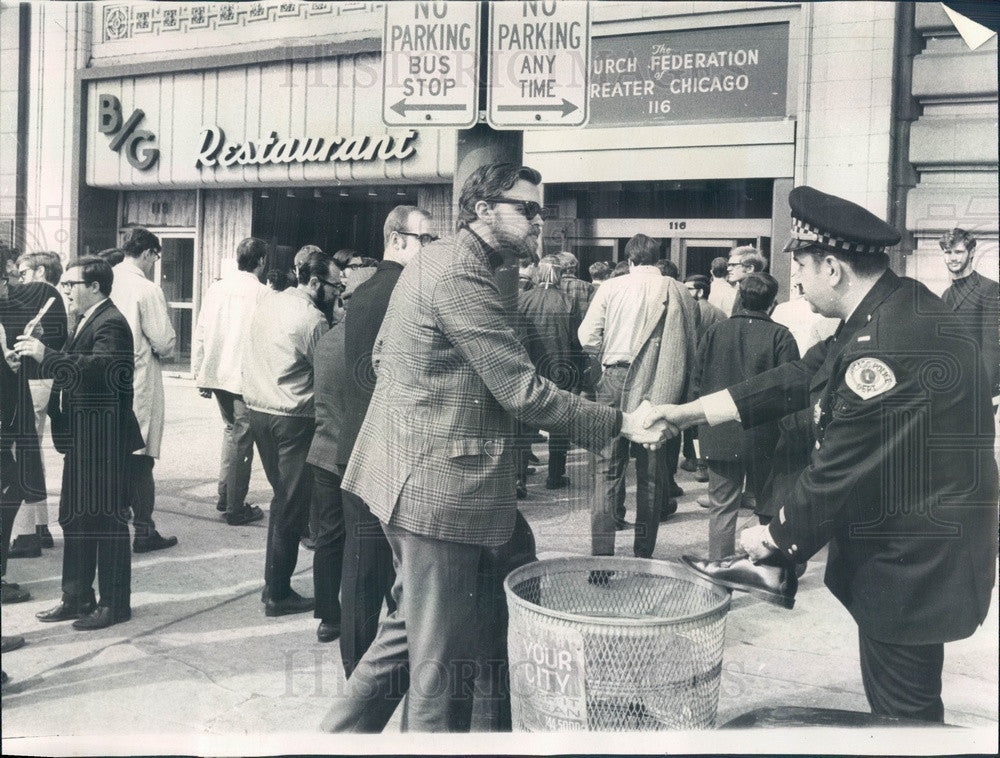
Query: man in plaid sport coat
<point x="434" y="462"/>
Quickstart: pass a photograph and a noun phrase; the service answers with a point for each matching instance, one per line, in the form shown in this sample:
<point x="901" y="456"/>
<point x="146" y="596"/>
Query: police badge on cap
<point x="827" y="221"/>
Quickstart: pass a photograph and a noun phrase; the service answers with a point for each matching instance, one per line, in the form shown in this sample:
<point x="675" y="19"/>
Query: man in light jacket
<point x="219" y="344"/>
<point x="643" y="326"/>
<point x="142" y="303"/>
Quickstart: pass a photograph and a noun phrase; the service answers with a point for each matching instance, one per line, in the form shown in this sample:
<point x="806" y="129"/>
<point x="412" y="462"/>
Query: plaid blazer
<point x="434" y="455"/>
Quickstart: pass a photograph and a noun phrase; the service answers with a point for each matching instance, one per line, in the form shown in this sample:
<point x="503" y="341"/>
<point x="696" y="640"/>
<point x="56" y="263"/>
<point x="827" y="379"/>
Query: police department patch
<point x="869" y="377"/>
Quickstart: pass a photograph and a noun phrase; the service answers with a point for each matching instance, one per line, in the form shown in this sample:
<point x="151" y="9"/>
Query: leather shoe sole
<point x="9" y="644"/>
<point x="25" y="546"/>
<point x="776" y="584"/>
<point x="149" y="544"/>
<point x="12" y="593"/>
<point x="101" y="618"/>
<point x="668" y="509"/>
<point x="294" y="603"/>
<point x="65" y="612"/>
<point x="248" y="515"/>
<point x="327" y="632"/>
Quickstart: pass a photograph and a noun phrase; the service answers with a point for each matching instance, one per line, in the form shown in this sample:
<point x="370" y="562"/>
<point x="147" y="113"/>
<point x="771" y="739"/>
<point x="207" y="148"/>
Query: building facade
<point x="209" y="122"/>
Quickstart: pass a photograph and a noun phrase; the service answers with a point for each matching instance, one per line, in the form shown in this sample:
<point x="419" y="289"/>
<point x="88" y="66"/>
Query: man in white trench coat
<point x="142" y="303"/>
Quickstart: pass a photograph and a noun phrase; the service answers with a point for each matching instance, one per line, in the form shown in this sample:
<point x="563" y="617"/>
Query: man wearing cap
<point x="901" y="481"/>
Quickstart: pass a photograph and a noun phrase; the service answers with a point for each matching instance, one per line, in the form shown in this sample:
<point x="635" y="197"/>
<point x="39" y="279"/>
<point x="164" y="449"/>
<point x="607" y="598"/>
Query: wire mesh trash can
<point x="613" y="644"/>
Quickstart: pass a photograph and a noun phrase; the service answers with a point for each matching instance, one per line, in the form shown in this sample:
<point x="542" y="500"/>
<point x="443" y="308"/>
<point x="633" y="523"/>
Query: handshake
<point x="652" y="425"/>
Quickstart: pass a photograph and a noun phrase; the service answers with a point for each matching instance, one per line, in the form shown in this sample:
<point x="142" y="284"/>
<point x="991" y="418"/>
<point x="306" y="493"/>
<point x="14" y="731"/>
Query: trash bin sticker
<point x="547" y="679"/>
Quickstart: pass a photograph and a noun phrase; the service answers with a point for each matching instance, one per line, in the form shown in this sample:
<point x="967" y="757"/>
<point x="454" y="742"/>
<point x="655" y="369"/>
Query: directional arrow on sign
<point x="402" y="107"/>
<point x="566" y="107"/>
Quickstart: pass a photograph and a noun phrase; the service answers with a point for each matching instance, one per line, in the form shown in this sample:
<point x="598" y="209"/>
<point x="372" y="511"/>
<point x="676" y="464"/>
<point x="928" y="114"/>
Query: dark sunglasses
<point x="528" y="208"/>
<point x="425" y="239"/>
<point x="339" y="286"/>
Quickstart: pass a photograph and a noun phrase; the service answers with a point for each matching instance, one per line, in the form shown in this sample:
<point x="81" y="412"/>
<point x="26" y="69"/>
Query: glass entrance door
<point x="175" y="273"/>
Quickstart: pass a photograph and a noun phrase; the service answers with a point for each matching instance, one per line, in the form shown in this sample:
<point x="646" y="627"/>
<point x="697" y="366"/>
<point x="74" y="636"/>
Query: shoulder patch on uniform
<point x="869" y="377"/>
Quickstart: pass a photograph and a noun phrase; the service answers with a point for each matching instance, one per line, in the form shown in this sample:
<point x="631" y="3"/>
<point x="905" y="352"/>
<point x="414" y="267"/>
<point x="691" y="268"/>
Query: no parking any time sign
<point x="539" y="64"/>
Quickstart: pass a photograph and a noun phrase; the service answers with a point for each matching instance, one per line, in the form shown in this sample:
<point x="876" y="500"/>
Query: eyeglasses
<point x="155" y="254"/>
<point x="425" y="239"/>
<point x="339" y="286"/>
<point x="528" y="208"/>
<point x="68" y="284"/>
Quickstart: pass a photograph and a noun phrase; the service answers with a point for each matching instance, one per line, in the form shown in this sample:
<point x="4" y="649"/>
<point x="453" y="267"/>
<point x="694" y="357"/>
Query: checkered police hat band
<point x="806" y="233"/>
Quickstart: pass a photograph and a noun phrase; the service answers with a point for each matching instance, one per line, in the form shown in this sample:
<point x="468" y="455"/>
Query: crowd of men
<point x="396" y="431"/>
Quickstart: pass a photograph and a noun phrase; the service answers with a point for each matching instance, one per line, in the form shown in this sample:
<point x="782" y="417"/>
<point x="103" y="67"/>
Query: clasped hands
<point x="652" y="425"/>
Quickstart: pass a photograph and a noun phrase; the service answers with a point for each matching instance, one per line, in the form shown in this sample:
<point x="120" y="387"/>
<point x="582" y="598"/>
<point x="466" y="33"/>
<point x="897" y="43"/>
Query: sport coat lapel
<point x="87" y="325"/>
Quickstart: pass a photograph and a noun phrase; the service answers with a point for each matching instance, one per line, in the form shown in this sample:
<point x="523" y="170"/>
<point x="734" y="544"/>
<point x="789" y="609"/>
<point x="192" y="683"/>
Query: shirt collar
<point x="388" y="265"/>
<point x="296" y="292"/>
<point x="87" y="313"/>
<point x="493" y="258"/>
<point x="884" y="286"/>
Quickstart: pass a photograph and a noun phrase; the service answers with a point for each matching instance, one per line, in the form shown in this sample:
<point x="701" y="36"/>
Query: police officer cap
<point x="823" y="220"/>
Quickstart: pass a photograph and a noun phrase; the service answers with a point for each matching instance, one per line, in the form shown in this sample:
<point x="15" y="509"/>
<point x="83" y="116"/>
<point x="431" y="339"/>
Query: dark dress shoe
<point x="292" y="603"/>
<point x="689" y="464"/>
<point x="12" y="593"/>
<point x="221" y="506"/>
<point x="529" y="470"/>
<point x="675" y="490"/>
<point x="772" y="580"/>
<point x="65" y="612"/>
<point x="701" y="475"/>
<point x="25" y="546"/>
<point x="9" y="644"/>
<point x="622" y="525"/>
<point x="155" y="541"/>
<point x="45" y="536"/>
<point x="668" y="509"/>
<point x="557" y="483"/>
<point x="248" y="515"/>
<point x="532" y="458"/>
<point x="327" y="631"/>
<point x="101" y="618"/>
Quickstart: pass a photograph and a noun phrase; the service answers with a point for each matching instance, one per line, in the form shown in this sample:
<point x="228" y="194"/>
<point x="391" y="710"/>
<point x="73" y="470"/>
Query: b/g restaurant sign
<point x="277" y="123"/>
<point x="215" y="151"/>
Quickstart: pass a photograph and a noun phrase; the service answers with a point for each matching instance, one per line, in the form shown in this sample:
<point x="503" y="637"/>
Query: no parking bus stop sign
<point x="430" y="64"/>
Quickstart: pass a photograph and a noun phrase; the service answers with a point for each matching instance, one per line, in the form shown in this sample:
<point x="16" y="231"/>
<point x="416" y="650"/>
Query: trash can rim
<point x="671" y="569"/>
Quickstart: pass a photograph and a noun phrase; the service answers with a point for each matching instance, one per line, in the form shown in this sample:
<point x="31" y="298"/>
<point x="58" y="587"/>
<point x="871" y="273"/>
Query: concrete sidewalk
<point x="200" y="669"/>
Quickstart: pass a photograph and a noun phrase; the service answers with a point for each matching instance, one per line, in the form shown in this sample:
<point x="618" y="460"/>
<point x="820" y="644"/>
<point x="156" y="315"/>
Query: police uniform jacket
<point x="434" y="454"/>
<point x="902" y="481"/>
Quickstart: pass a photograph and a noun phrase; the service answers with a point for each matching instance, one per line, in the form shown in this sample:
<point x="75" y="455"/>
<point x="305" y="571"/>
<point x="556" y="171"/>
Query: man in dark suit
<point x="433" y="458"/>
<point x="94" y="427"/>
<point x="901" y="481"/>
<point x="347" y="534"/>
<point x="730" y="351"/>
<point x="976" y="298"/>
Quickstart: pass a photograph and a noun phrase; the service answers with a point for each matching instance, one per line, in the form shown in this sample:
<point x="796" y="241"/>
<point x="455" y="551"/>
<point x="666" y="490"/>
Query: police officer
<point x="901" y="482"/>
